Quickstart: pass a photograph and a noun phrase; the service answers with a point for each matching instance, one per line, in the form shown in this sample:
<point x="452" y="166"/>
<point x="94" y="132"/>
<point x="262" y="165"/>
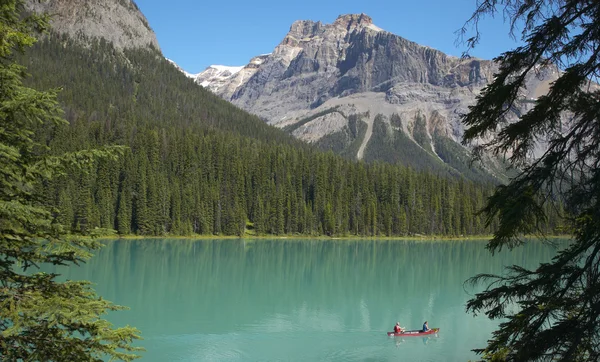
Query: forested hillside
<point x="196" y="164"/>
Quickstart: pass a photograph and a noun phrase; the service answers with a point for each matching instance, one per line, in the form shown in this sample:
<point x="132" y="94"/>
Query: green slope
<point x="100" y="83"/>
<point x="197" y="164"/>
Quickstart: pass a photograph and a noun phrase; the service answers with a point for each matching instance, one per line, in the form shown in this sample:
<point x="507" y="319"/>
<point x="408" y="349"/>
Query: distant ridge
<point x="368" y="94"/>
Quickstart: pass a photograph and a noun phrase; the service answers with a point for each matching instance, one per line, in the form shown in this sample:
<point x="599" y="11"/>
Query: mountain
<point x="120" y="22"/>
<point x="189" y="75"/>
<point x="366" y="93"/>
<point x="225" y="79"/>
<point x="196" y="164"/>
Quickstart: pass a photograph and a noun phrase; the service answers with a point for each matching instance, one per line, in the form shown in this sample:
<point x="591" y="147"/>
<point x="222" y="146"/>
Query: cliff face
<point x="349" y="86"/>
<point x="117" y="21"/>
<point x="359" y="90"/>
<point x="317" y="62"/>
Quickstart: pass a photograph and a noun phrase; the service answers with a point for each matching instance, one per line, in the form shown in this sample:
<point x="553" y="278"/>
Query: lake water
<point x="298" y="300"/>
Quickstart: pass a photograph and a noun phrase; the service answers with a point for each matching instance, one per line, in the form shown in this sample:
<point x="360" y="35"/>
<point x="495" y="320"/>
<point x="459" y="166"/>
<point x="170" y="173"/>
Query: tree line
<point x="186" y="182"/>
<point x="198" y="165"/>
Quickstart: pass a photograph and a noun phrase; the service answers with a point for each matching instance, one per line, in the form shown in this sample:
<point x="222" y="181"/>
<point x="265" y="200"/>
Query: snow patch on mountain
<point x="225" y="69"/>
<point x="189" y="75"/>
<point x="215" y="76"/>
<point x="374" y="27"/>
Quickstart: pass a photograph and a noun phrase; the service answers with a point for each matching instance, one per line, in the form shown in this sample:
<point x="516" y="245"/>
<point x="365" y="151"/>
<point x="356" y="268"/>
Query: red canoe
<point x="414" y="333"/>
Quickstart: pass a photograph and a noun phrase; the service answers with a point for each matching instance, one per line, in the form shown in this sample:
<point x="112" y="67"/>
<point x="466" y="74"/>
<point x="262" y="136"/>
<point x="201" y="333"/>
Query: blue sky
<point x="198" y="33"/>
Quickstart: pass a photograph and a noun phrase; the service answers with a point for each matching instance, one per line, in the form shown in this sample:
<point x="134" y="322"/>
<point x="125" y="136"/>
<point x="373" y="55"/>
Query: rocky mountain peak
<point x="304" y="28"/>
<point x="366" y="93"/>
<point x="353" y="21"/>
<point x="303" y="31"/>
<point x="317" y="62"/>
<point x="118" y="21"/>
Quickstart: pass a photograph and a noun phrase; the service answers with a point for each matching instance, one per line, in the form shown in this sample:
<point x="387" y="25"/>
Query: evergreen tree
<point x="124" y="212"/>
<point x="231" y="167"/>
<point x="551" y="313"/>
<point x="41" y="319"/>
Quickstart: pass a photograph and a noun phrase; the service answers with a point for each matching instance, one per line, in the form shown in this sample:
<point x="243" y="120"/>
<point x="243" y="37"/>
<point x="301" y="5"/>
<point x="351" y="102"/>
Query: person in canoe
<point x="398" y="329"/>
<point x="426" y="327"/>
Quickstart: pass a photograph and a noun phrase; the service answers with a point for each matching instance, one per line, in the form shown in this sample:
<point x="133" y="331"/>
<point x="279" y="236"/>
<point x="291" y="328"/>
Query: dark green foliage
<point x="419" y="149"/>
<point x="357" y="131"/>
<point x="347" y="141"/>
<point x="420" y="134"/>
<point x="107" y="92"/>
<point x="42" y="319"/>
<point x="395" y="120"/>
<point x="551" y="313"/>
<point x="184" y="175"/>
<point x="336" y="142"/>
<point x="394" y="146"/>
<point x="198" y="165"/>
<point x="457" y="158"/>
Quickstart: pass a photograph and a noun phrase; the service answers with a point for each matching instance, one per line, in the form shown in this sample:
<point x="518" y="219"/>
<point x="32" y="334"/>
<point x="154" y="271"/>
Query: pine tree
<point x="42" y="319"/>
<point x="222" y="158"/>
<point x="551" y="313"/>
<point x="124" y="212"/>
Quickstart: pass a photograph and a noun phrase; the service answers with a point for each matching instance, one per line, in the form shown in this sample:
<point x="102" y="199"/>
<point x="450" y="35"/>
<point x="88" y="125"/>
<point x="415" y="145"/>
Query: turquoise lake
<point x="298" y="300"/>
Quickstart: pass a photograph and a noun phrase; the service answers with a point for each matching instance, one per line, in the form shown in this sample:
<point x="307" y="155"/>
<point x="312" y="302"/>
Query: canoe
<point x="413" y="333"/>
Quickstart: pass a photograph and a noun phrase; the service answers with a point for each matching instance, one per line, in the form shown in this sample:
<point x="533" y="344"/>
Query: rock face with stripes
<point x="366" y="93"/>
<point x="349" y="86"/>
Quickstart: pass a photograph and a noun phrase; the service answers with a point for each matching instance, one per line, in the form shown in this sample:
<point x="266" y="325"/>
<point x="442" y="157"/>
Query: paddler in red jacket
<point x="397" y="328"/>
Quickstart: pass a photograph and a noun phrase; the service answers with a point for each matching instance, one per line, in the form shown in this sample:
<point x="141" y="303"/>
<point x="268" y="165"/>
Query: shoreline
<point x="321" y="237"/>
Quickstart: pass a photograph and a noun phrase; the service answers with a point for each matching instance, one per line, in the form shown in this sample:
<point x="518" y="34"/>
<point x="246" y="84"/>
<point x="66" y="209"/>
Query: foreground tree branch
<point x="42" y="319"/>
<point x="550" y="313"/>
